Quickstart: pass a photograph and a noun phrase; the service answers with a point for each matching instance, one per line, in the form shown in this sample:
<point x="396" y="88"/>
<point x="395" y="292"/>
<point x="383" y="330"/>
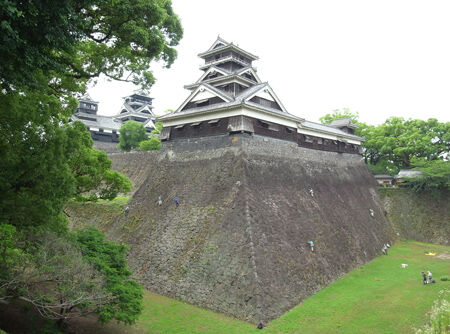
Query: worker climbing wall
<point x="239" y="241"/>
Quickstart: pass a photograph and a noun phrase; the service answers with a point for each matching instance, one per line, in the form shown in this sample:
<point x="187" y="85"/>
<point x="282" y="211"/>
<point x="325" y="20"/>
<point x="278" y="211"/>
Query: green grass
<point x="380" y="297"/>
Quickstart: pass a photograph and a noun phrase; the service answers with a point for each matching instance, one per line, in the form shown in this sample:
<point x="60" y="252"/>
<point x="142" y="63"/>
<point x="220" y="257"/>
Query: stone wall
<point x="237" y="243"/>
<point x="418" y="216"/>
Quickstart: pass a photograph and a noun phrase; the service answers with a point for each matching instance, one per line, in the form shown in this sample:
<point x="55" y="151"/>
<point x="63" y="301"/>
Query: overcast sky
<point x="380" y="58"/>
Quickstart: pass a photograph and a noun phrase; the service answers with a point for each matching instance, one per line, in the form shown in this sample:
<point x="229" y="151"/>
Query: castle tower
<point x="229" y="97"/>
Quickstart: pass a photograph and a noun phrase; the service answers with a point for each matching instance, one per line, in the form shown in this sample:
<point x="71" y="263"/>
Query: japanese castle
<point x="137" y="107"/>
<point x="229" y="97"/>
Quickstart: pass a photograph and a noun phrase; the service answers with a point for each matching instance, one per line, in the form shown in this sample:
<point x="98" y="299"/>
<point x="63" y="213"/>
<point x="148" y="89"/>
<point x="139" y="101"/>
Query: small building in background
<point x="384" y="180"/>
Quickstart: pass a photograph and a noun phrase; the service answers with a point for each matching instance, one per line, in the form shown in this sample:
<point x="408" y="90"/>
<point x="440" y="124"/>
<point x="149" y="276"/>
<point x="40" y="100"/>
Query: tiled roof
<point x="104" y="122"/>
<point x="327" y="128"/>
<point x="408" y="173"/>
<point x="383" y="176"/>
<point x="343" y="122"/>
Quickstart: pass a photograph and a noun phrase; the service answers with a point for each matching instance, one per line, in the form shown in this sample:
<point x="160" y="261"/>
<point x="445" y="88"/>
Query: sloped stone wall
<point x="418" y="216"/>
<point x="237" y="243"/>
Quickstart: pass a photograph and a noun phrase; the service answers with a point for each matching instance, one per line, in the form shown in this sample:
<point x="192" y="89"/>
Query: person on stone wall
<point x="159" y="200"/>
<point x="311" y="244"/>
<point x="127" y="209"/>
<point x="175" y="200"/>
<point x="311" y="192"/>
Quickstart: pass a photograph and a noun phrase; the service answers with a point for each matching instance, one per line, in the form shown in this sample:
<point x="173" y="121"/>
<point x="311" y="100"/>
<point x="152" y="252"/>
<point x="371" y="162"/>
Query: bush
<point x="439" y="320"/>
<point x="445" y="278"/>
<point x="150" y="145"/>
<point x="131" y="134"/>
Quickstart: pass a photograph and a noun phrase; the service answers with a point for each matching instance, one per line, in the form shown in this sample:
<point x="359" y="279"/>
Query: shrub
<point x="150" y="145"/>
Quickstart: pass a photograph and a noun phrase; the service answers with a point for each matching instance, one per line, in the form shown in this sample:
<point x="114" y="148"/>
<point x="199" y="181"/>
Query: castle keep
<point x="230" y="98"/>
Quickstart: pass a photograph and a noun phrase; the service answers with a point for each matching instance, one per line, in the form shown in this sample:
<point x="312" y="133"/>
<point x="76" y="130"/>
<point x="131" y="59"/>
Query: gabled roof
<point x="253" y="91"/>
<point x="213" y="49"/>
<point x="226" y="78"/>
<point x="213" y="69"/>
<point x="250" y="70"/>
<point x="86" y="98"/>
<point x="139" y="92"/>
<point x="202" y="87"/>
<point x="229" y="102"/>
<point x="218" y="43"/>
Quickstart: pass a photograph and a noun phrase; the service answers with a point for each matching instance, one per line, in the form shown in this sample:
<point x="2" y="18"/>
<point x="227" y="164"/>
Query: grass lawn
<point x="380" y="297"/>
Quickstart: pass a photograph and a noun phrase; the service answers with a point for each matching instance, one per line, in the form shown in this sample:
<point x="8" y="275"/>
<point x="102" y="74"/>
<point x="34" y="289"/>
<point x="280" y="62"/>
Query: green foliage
<point x="158" y="128"/>
<point x="439" y="317"/>
<point x="149" y="145"/>
<point x="397" y="142"/>
<point x="80" y="40"/>
<point x="110" y="259"/>
<point x="35" y="178"/>
<point x="91" y="168"/>
<point x="131" y="134"/>
<point x="10" y="254"/>
<point x="436" y="175"/>
<point x="338" y="114"/>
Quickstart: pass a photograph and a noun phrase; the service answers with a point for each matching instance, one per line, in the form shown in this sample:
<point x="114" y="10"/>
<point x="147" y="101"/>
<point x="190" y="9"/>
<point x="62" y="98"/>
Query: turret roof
<point x="224" y="45"/>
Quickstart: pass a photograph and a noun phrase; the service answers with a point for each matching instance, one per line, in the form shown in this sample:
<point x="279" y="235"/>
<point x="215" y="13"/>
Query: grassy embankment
<point x="380" y="297"/>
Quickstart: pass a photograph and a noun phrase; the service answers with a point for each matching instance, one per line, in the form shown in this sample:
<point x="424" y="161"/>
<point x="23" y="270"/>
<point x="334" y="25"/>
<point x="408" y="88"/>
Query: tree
<point x="60" y="283"/>
<point x="81" y="39"/>
<point x="110" y="259"/>
<point x="435" y="175"/>
<point x="131" y="134"/>
<point x="149" y="145"/>
<point x="158" y="128"/>
<point x="91" y="168"/>
<point x="397" y="141"/>
<point x="337" y="114"/>
<point x="48" y="53"/>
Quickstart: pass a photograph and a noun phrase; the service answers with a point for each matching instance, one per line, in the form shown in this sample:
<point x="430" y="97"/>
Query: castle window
<point x="195" y="124"/>
<point x="289" y="130"/>
<point x="308" y="139"/>
<point x="179" y="127"/>
<point x="319" y="141"/>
